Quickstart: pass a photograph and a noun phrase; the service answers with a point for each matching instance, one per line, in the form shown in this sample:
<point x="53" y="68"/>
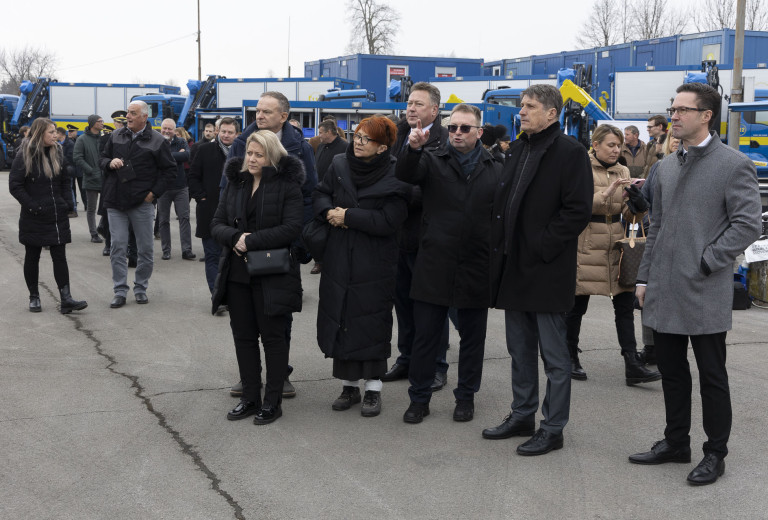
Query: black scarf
<point x="468" y="161"/>
<point x="367" y="173"/>
<point x="603" y="163"/>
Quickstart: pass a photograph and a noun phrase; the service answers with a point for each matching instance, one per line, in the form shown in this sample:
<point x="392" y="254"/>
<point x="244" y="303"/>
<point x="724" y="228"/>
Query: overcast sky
<point x="155" y="41"/>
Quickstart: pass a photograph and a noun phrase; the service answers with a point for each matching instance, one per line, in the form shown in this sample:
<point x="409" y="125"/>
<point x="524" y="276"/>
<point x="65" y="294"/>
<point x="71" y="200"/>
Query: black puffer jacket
<point x="150" y="156"/>
<point x="280" y="208"/>
<point x="44" y="202"/>
<point x="357" y="284"/>
<point x="453" y="261"/>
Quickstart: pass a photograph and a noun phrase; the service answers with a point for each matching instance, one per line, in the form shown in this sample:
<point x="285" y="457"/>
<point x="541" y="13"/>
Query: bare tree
<point x="374" y="26"/>
<point x="27" y="63"/>
<point x="600" y="29"/>
<point x="721" y="14"/>
<point x="654" y="19"/>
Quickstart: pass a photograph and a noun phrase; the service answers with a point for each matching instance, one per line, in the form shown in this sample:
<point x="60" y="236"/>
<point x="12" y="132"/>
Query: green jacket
<point x="86" y="157"/>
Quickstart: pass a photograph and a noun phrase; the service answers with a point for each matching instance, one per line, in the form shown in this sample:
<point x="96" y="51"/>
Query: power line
<point x="130" y="53"/>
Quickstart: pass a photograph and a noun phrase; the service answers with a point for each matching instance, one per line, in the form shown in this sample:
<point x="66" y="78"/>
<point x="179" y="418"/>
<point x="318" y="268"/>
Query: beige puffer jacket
<point x="598" y="258"/>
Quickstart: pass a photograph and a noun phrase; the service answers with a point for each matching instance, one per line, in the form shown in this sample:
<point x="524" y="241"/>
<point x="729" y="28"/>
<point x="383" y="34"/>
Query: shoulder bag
<point x="632" y="250"/>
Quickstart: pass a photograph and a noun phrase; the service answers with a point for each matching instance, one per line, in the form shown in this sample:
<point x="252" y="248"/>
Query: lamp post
<point x="199" y="68"/>
<point x="737" y="90"/>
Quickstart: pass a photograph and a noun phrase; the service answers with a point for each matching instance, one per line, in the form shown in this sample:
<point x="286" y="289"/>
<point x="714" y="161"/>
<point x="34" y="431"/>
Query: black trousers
<point x="430" y="321"/>
<point x="623" y="316"/>
<point x="672" y="358"/>
<point x="249" y="323"/>
<point x="32" y="266"/>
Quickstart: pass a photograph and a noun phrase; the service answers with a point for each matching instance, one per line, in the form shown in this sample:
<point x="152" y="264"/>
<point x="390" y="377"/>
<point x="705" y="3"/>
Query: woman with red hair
<point x="365" y="206"/>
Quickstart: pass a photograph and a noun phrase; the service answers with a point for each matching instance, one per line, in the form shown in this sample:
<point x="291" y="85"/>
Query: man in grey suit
<point x="706" y="212"/>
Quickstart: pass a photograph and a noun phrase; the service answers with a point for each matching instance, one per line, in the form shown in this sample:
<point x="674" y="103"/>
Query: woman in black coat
<point x="261" y="208"/>
<point x="366" y="206"/>
<point x="38" y="180"/>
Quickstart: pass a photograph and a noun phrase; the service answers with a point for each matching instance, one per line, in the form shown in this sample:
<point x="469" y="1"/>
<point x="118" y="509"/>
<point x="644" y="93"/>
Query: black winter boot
<point x="34" y="302"/>
<point x="68" y="304"/>
<point x="577" y="372"/>
<point x="636" y="372"/>
<point x="648" y="355"/>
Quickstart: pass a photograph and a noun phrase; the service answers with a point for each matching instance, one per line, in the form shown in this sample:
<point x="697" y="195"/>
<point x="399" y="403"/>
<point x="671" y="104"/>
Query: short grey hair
<point x="433" y="91"/>
<point x="144" y="107"/>
<point x="283" y="103"/>
<point x="632" y="129"/>
<point x="547" y="95"/>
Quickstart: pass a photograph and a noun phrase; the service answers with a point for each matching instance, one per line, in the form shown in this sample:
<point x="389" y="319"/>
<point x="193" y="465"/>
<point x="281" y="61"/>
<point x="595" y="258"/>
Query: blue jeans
<point x="212" y="251"/>
<point x="141" y="218"/>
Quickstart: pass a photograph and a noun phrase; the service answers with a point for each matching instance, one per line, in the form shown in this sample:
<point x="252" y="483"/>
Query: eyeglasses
<point x="684" y="110"/>
<point x="464" y="128"/>
<point x="363" y="139"/>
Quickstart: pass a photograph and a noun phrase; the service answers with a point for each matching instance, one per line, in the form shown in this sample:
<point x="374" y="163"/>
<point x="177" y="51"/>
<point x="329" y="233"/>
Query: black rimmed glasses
<point x="363" y="139"/>
<point x="684" y="110"/>
<point x="464" y="128"/>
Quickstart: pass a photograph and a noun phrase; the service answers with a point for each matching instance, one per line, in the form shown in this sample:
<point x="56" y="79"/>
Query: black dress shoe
<point x="440" y="381"/>
<point x="188" y="255"/>
<point x="141" y="298"/>
<point x="117" y="301"/>
<point x="166" y="256"/>
<point x="464" y="411"/>
<point x="243" y="410"/>
<point x="416" y="412"/>
<point x="660" y="453"/>
<point x="96" y="239"/>
<point x="397" y="371"/>
<point x="268" y="414"/>
<point x="510" y="427"/>
<point x="105" y="251"/>
<point x="707" y="472"/>
<point x="542" y="442"/>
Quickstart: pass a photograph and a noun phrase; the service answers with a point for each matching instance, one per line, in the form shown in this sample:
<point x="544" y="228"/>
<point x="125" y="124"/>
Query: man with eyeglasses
<point x="451" y="270"/>
<point x="706" y="211"/>
<point x="657" y="127"/>
<point x="543" y="203"/>
<point x="423" y="109"/>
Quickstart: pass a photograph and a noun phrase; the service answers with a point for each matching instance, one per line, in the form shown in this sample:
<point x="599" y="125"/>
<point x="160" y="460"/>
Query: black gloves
<point x="635" y="201"/>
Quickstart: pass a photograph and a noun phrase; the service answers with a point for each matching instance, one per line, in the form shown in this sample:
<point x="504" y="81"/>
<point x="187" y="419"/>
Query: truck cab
<point x="8" y="105"/>
<point x="162" y="106"/>
<point x="753" y="139"/>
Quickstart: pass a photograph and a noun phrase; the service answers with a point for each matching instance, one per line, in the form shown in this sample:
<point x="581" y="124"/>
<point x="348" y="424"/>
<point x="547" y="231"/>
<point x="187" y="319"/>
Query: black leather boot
<point x="648" y="355"/>
<point x="577" y="372"/>
<point x="69" y="304"/>
<point x="635" y="372"/>
<point x="34" y="302"/>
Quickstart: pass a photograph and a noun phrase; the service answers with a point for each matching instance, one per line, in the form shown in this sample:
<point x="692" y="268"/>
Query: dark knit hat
<point x="92" y="119"/>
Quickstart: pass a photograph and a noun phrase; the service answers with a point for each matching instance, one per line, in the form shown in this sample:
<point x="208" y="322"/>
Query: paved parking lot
<point x="120" y="413"/>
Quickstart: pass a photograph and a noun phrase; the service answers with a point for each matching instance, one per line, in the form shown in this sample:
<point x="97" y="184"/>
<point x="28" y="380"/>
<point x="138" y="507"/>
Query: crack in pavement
<point x="139" y="391"/>
<point x="76" y="414"/>
<point x="146" y="400"/>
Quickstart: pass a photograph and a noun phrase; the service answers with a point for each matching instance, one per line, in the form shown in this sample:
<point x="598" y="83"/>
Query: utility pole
<point x="289" y="46"/>
<point x="737" y="90"/>
<point x="199" y="67"/>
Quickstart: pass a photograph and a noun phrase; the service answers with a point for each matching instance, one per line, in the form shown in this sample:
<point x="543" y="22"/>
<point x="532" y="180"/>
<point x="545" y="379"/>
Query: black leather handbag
<point x="315" y="236"/>
<point x="268" y="261"/>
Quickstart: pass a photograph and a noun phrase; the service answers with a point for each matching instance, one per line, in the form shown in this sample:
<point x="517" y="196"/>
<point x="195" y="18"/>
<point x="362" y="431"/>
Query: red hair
<point x="380" y="129"/>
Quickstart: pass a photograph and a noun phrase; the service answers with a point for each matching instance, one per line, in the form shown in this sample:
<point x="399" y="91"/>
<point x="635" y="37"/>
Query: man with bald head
<point x="138" y="166"/>
<point x="176" y="194"/>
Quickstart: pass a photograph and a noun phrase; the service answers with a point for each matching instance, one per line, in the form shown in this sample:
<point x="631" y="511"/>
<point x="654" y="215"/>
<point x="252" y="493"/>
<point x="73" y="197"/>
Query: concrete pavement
<point x="120" y="413"/>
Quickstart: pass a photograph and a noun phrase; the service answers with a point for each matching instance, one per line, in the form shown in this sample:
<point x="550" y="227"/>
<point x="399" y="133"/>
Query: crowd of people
<point x="436" y="222"/>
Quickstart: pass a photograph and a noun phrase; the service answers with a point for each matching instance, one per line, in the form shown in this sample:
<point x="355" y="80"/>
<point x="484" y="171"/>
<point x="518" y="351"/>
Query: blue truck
<point x="8" y="103"/>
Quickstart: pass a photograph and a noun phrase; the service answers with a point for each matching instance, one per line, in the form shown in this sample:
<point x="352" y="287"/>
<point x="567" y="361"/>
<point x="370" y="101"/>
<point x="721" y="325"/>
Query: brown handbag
<point x="632" y="250"/>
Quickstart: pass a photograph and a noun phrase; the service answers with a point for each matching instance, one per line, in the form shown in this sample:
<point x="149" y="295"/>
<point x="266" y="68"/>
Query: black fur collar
<point x="289" y="168"/>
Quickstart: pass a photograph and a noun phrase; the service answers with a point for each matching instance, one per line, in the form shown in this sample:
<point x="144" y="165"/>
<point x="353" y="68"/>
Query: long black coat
<point x="204" y="180"/>
<point x="150" y="156"/>
<point x="280" y="206"/>
<point x="357" y="284"/>
<point x="44" y="202"/>
<point x="452" y="264"/>
<point x="438" y="137"/>
<point x="543" y="203"/>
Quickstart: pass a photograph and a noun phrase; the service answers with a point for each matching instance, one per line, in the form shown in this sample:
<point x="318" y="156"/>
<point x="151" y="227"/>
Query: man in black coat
<point x="542" y="204"/>
<point x="331" y="145"/>
<point x="458" y="182"/>
<point x="204" y="179"/>
<point x="423" y="108"/>
<point x="138" y="166"/>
